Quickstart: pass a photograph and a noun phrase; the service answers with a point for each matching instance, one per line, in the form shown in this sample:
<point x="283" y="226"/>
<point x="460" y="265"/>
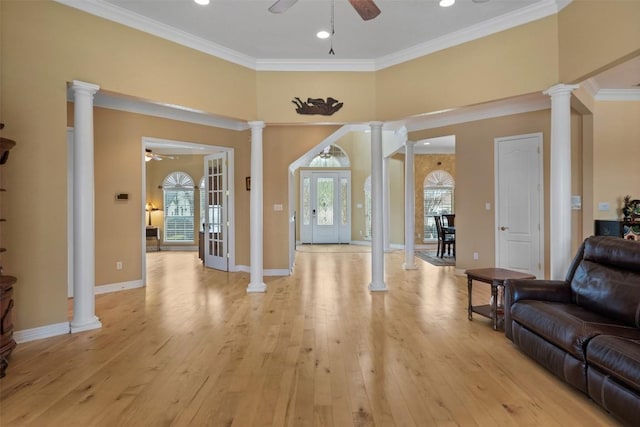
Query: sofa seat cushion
<point x="617" y="357"/>
<point x="567" y="326"/>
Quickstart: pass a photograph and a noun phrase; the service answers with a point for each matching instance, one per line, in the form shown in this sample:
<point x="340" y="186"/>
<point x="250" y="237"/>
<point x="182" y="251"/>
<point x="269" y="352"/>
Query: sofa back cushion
<point x="607" y="279"/>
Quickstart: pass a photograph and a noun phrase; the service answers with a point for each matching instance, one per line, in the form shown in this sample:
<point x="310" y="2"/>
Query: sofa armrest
<point x="541" y="290"/>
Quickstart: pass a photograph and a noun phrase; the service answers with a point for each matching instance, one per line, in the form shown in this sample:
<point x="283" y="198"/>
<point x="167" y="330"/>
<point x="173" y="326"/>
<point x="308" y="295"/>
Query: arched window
<point x="367" y="208"/>
<point x="331" y="157"/>
<point x="178" y="191"/>
<point x="438" y="200"/>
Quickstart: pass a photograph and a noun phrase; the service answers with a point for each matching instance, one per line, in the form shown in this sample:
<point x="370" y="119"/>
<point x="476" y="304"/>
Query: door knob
<point x="504" y="228"/>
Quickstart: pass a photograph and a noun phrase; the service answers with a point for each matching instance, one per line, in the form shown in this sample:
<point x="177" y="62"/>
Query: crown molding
<point x="133" y="20"/>
<point x="130" y="19"/>
<point x="618" y="95"/>
<point x="354" y="65"/>
<point x="504" y="22"/>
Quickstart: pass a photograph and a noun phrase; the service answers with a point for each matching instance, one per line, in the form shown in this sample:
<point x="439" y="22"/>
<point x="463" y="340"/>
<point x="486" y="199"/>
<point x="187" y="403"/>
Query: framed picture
<point x="248" y="183"/>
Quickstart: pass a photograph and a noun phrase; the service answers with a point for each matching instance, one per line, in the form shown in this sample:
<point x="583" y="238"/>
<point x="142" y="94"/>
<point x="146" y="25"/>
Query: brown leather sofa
<point x="586" y="328"/>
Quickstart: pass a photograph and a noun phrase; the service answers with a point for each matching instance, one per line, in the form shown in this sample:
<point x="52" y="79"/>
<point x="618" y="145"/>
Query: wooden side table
<point x="495" y="277"/>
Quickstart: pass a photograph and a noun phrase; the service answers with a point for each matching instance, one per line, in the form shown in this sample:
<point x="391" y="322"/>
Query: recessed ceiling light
<point x="202" y="2"/>
<point x="426" y="143"/>
<point x="323" y="34"/>
<point x="446" y="3"/>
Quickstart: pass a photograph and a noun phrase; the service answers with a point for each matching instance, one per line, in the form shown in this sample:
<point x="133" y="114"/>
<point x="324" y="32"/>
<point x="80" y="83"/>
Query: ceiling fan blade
<point x="367" y="9"/>
<point x="281" y="6"/>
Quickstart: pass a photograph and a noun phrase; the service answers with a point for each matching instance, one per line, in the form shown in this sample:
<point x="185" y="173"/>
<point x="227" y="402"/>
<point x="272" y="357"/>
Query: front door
<point x="325" y="207"/>
<point x="215" y="221"/>
<point x="519" y="243"/>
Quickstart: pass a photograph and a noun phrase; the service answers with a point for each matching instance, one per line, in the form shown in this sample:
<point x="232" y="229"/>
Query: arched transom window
<point x="438" y="200"/>
<point x="331" y="156"/>
<point x="178" y="192"/>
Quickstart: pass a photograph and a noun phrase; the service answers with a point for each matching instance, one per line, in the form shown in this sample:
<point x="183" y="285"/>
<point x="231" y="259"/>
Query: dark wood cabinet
<point x="625" y="229"/>
<point x="7" y="343"/>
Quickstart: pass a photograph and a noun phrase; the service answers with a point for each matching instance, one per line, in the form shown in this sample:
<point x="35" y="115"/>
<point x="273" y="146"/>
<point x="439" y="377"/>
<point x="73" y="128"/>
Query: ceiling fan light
<point x="323" y="34"/>
<point x="446" y="3"/>
<point x="202" y="2"/>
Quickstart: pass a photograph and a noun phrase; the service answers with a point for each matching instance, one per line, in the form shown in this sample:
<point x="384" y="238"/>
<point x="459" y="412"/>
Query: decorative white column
<point x="409" y="207"/>
<point x="256" y="283"/>
<point x="386" y="202"/>
<point x="377" y="228"/>
<point x="84" y="255"/>
<point x="560" y="181"/>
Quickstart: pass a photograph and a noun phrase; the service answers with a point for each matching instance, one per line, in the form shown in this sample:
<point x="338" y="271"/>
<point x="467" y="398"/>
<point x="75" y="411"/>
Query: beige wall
<point x="615" y="158"/>
<point x="276" y="90"/>
<point x="396" y="200"/>
<point x="594" y="34"/>
<point x="514" y="62"/>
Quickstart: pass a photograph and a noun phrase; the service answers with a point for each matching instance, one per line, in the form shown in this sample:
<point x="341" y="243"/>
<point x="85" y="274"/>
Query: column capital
<point x="79" y="86"/>
<point x="376" y="124"/>
<point x="410" y="143"/>
<point x="560" y="89"/>
<point x="256" y="124"/>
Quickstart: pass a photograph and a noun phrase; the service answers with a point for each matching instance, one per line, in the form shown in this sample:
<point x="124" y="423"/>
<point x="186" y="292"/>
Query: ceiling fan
<point x="150" y="155"/>
<point x="367" y="9"/>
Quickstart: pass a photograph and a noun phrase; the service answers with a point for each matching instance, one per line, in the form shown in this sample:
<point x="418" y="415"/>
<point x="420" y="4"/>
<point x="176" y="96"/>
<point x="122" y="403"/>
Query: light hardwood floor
<point x="318" y="348"/>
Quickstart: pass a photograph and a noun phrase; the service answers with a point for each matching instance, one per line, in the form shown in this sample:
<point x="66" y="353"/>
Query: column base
<point x="256" y="287"/>
<point x="85" y="326"/>
<point x="378" y="287"/>
<point x="411" y="266"/>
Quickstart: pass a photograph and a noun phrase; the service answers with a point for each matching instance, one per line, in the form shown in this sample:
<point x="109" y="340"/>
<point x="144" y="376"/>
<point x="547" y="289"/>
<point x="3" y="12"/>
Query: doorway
<point x="325" y="207"/>
<point x="519" y="203"/>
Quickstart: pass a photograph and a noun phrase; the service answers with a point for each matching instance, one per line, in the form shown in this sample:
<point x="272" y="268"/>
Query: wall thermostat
<point x="122" y="196"/>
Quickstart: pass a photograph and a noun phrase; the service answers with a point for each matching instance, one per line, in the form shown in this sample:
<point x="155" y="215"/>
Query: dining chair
<point x="445" y="240"/>
<point x="450" y="219"/>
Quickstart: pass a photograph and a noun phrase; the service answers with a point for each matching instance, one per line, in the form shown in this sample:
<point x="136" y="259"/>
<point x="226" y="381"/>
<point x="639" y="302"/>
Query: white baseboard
<point x="41" y="332"/>
<point x="177" y="248"/>
<point x="267" y="272"/>
<point x="361" y="242"/>
<point x="115" y="287"/>
<point x="459" y="271"/>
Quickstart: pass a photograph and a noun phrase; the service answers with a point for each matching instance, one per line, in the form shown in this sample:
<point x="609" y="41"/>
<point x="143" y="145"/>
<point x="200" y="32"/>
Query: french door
<point x="215" y="221"/>
<point x="325" y="206"/>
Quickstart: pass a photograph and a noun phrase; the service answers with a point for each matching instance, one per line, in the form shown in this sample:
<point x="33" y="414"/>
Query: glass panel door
<point x="325" y="200"/>
<point x="216" y="225"/>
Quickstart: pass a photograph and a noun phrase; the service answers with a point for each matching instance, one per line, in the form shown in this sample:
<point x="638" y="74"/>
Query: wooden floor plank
<point x="193" y="348"/>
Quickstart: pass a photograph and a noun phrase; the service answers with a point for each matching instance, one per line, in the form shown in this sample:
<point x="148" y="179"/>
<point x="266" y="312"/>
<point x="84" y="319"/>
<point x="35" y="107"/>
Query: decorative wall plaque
<point x="317" y="106"/>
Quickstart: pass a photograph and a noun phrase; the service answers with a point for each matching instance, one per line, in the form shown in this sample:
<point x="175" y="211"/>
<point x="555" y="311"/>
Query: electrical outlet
<point x="475" y="255"/>
<point x="118" y="265"/>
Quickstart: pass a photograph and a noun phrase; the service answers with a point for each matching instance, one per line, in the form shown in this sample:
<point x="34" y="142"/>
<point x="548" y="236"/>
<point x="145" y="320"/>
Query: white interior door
<point x="216" y="222"/>
<point x="519" y="204"/>
<point x="325" y="207"/>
